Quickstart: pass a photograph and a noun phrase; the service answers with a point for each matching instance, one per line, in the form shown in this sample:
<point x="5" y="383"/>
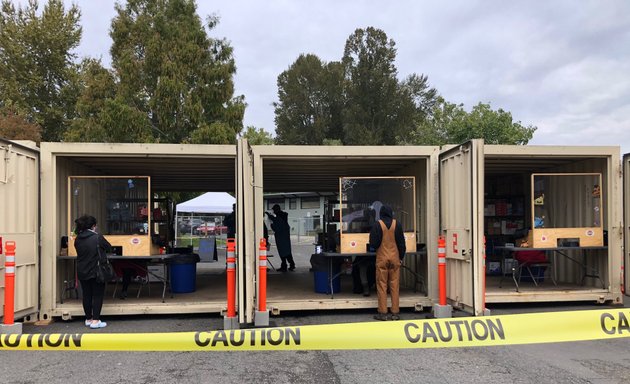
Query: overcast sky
<point x="563" y="66"/>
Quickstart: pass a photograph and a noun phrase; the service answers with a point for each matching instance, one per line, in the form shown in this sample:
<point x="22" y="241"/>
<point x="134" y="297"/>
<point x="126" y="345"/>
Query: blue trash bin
<point x="184" y="273"/>
<point x="322" y="285"/>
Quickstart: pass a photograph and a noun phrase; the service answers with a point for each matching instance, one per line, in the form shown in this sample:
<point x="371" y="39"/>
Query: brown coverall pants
<point x="388" y="270"/>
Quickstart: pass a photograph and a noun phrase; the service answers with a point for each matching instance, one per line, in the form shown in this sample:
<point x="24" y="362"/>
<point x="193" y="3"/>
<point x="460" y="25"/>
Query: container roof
<point x="322" y="174"/>
<point x="169" y="174"/>
<point x="318" y="168"/>
<point x="172" y="167"/>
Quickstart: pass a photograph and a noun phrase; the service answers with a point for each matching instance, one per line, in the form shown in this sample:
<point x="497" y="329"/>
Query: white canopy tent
<point x="204" y="206"/>
<point x="209" y="202"/>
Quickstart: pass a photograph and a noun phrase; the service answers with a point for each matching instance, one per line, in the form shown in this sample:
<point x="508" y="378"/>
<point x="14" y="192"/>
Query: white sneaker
<point x="88" y="323"/>
<point x="98" y="324"/>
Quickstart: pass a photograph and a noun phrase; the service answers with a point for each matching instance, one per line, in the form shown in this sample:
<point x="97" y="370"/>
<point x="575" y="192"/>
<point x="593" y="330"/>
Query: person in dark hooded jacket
<point x="388" y="238"/>
<point x="282" y="233"/>
<point x="87" y="244"/>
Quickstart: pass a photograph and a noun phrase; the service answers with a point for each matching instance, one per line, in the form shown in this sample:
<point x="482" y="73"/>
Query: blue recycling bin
<point x="184" y="273"/>
<point x="322" y="285"/>
<point x="320" y="266"/>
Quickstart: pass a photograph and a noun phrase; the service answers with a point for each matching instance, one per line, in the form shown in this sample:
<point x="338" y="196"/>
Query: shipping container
<point x="152" y="169"/>
<point x="318" y="169"/>
<point x="561" y="202"/>
<point x="19" y="222"/>
<point x="469" y="193"/>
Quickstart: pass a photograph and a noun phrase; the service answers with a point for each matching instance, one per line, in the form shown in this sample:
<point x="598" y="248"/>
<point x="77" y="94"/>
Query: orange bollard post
<point x="9" y="283"/>
<point x="231" y="278"/>
<point x="442" y="269"/>
<point x="262" y="275"/>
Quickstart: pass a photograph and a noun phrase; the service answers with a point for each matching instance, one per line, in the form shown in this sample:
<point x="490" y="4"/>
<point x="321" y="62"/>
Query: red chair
<point x="135" y="270"/>
<point x="533" y="261"/>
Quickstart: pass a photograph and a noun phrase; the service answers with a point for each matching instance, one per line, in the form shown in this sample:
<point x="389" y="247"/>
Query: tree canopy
<point x="171" y="71"/>
<point x="366" y="103"/>
<point x="169" y="82"/>
<point x="17" y="127"/>
<point x="450" y="123"/>
<point x="37" y="65"/>
<point x="172" y="82"/>
<point x="357" y="100"/>
<point x="309" y="104"/>
<point x="258" y="136"/>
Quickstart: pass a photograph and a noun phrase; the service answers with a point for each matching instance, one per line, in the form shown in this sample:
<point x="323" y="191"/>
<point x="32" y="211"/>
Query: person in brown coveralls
<point x="388" y="239"/>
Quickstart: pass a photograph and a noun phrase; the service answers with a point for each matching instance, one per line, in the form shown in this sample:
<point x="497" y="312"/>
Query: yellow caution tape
<point x="549" y="327"/>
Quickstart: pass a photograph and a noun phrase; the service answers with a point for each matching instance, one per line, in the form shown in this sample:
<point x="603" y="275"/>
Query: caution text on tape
<point x="434" y="333"/>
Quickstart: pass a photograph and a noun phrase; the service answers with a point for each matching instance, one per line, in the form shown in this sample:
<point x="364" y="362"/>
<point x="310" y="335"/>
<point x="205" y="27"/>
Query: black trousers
<point x="288" y="258"/>
<point x="93" y="293"/>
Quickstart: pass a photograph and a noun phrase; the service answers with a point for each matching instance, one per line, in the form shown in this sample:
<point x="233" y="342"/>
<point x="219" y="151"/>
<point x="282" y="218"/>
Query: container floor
<point x="505" y="291"/>
<point x="293" y="290"/>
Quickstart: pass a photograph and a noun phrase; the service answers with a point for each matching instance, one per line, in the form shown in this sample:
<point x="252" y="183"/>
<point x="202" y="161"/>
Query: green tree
<point x="258" y="136"/>
<point x="37" y="65"/>
<point x="449" y="123"/>
<point x="16" y="127"/>
<point x="170" y="71"/>
<point x="372" y="113"/>
<point x="309" y="107"/>
<point x="101" y="116"/>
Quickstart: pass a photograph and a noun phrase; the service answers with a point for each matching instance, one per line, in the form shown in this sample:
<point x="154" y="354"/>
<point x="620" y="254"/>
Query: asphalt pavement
<point x="604" y="361"/>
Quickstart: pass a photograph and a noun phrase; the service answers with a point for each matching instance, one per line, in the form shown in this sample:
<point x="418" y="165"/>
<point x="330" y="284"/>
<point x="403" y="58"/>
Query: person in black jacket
<point x="230" y="223"/>
<point x="282" y="233"/>
<point x="388" y="239"/>
<point x="87" y="244"/>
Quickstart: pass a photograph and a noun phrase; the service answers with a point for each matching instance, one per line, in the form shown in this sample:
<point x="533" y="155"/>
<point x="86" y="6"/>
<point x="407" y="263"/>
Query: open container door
<point x="461" y="223"/>
<point x="626" y="218"/>
<point x="19" y="222"/>
<point x="245" y="238"/>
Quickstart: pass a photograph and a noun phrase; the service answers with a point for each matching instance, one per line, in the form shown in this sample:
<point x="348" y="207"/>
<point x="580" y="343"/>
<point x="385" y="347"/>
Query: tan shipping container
<point x="19" y="222"/>
<point x="171" y="168"/>
<point x="463" y="192"/>
<point x="318" y="169"/>
<point x="496" y="180"/>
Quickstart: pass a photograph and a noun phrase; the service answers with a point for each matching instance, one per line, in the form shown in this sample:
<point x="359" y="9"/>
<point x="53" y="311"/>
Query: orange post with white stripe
<point x="9" y="283"/>
<point x="231" y="278"/>
<point x="262" y="275"/>
<point x="442" y="269"/>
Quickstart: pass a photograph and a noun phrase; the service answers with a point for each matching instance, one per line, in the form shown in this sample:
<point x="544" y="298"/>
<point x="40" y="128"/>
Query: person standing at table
<point x="282" y="233"/>
<point x="87" y="244"/>
<point x="388" y="238"/>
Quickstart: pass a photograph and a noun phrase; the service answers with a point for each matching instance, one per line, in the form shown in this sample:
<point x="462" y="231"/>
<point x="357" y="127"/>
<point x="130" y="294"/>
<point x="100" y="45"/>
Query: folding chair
<point x="532" y="264"/>
<point x="70" y="286"/>
<point x="140" y="274"/>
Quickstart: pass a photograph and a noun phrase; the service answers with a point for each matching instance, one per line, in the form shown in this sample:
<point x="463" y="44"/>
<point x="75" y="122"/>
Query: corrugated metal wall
<point x="19" y="222"/>
<point x="567" y="268"/>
